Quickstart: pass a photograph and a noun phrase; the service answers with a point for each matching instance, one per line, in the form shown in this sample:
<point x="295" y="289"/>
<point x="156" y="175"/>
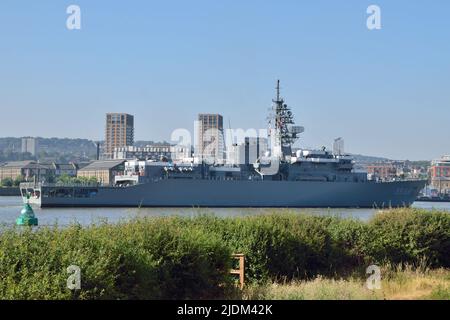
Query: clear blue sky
<point x="387" y="92"/>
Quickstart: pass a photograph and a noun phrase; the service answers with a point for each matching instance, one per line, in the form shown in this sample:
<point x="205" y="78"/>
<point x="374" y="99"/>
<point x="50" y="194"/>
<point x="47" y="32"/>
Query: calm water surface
<point x="10" y="208"/>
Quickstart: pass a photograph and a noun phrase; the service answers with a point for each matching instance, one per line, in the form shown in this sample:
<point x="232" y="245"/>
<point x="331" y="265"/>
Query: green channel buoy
<point x="27" y="217"/>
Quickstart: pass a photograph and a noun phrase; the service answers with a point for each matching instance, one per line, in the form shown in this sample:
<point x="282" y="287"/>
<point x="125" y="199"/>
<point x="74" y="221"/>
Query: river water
<point x="10" y="209"/>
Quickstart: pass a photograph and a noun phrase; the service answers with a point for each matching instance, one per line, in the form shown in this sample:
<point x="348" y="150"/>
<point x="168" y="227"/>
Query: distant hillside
<point x="65" y="149"/>
<point x="362" y="159"/>
<point x="143" y="143"/>
<point x="60" y="146"/>
<point x="10" y="144"/>
<point x="57" y="149"/>
<point x="66" y="145"/>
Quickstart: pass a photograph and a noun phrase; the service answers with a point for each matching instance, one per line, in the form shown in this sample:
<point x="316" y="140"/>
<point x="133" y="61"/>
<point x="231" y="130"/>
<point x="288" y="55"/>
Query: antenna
<point x="278" y="90"/>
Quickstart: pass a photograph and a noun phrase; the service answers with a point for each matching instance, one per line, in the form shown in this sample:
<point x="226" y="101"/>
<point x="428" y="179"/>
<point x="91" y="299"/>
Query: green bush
<point x="302" y="246"/>
<point x="66" y="179"/>
<point x="7" y="182"/>
<point x="190" y="258"/>
<point x="18" y="180"/>
<point x="149" y="259"/>
<point x="410" y="236"/>
<point x="278" y="245"/>
<point x="349" y="240"/>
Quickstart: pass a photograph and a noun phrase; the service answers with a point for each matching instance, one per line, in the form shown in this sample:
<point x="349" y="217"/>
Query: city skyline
<point x="384" y="91"/>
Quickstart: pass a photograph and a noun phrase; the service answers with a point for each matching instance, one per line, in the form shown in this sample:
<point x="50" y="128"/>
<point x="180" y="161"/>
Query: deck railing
<point x="58" y="185"/>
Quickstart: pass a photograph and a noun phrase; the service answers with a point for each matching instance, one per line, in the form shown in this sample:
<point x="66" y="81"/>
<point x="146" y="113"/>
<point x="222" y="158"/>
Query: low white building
<point x="30" y="145"/>
<point x="248" y="152"/>
<point x="153" y="152"/>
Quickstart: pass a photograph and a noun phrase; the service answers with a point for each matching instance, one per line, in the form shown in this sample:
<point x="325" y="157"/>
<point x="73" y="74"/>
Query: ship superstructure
<point x="281" y="127"/>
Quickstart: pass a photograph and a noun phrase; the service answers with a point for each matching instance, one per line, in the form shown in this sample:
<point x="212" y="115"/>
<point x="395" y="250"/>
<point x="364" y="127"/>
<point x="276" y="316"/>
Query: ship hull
<point x="211" y="193"/>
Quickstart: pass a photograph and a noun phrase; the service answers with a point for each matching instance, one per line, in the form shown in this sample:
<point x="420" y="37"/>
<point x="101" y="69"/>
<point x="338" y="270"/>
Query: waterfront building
<point x="27" y="170"/>
<point x="157" y="152"/>
<point x="30" y="145"/>
<point x="154" y="152"/>
<point x="210" y="141"/>
<point x="338" y="146"/>
<point x="32" y="170"/>
<point x="119" y="132"/>
<point x="103" y="170"/>
<point x="383" y="171"/>
<point x="14" y="169"/>
<point x="248" y="152"/>
<point x="69" y="169"/>
<point x="440" y="174"/>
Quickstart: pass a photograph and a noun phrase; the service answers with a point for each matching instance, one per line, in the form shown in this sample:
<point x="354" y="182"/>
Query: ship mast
<point x="278" y="90"/>
<point x="283" y="133"/>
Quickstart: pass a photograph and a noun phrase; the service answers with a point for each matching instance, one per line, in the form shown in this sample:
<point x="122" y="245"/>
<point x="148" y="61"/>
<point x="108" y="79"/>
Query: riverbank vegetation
<point x="8" y="182"/>
<point x="65" y="179"/>
<point x="287" y="256"/>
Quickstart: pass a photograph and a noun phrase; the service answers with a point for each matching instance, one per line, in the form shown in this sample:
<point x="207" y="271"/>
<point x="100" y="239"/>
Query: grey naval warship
<point x="280" y="178"/>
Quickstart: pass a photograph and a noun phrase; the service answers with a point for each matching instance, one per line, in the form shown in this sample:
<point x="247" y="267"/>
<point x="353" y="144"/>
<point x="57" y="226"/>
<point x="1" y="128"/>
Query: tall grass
<point x="189" y="258"/>
<point x="403" y="283"/>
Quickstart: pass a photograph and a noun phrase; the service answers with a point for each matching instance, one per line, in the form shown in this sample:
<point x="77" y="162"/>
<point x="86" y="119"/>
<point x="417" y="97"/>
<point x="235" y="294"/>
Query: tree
<point x="7" y="182"/>
<point x="64" y="179"/>
<point x="18" y="180"/>
<point x="93" y="180"/>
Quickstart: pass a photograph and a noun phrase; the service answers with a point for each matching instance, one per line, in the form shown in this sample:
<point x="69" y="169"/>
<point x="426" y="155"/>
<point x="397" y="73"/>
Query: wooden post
<point x="241" y="270"/>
